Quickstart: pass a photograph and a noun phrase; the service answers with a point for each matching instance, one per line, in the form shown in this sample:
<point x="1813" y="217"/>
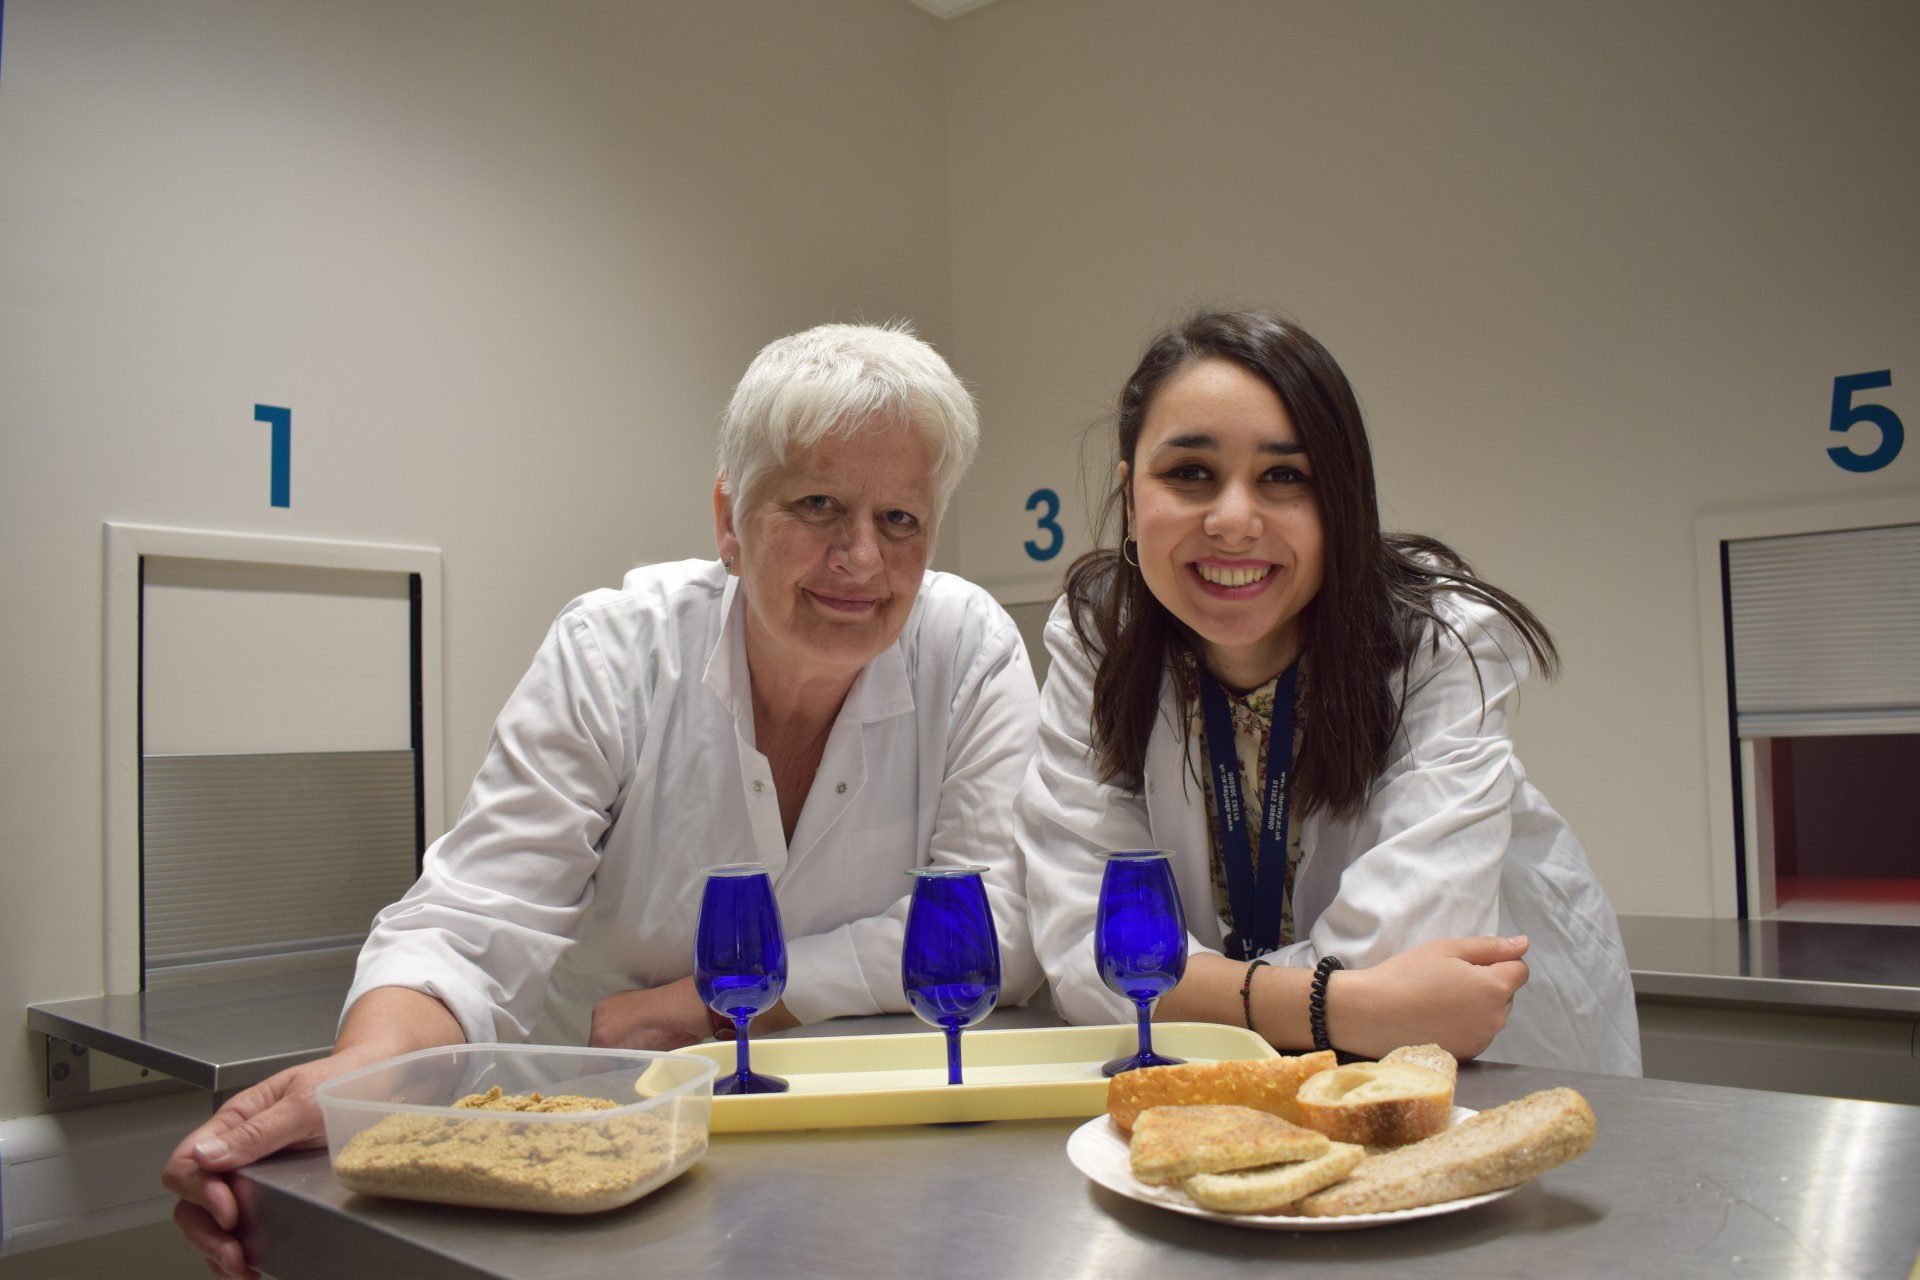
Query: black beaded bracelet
<point x="1246" y="993"/>
<point x="1317" y="1000"/>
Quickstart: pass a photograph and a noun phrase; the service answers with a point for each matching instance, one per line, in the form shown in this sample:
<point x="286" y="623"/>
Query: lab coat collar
<point x="880" y="692"/>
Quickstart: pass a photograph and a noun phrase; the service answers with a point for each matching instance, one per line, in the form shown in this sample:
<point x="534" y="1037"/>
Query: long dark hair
<point x="1361" y="631"/>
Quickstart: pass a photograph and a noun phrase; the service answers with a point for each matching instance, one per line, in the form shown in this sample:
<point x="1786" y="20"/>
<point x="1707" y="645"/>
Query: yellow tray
<point x="1027" y="1073"/>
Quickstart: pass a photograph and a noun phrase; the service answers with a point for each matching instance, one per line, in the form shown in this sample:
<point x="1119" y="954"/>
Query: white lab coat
<point x="1453" y="841"/>
<point x="625" y="762"/>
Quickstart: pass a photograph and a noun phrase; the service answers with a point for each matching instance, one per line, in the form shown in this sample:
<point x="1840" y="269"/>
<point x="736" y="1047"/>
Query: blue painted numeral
<point x="1846" y="413"/>
<point x="1048" y="522"/>
<point x="281" y="420"/>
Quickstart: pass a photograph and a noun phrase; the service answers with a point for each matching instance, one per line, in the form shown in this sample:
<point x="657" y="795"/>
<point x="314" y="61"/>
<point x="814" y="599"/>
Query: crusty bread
<point x="1377" y="1104"/>
<point x="1171" y="1143"/>
<point x="1430" y="1056"/>
<point x="1273" y="1188"/>
<point x="1265" y="1084"/>
<point x="1499" y="1148"/>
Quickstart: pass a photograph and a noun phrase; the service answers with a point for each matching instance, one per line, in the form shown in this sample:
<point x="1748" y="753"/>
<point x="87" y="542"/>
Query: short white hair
<point x="836" y="379"/>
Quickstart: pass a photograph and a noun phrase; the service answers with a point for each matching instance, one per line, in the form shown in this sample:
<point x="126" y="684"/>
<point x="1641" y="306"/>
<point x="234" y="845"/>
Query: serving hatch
<point x="1024" y="1073"/>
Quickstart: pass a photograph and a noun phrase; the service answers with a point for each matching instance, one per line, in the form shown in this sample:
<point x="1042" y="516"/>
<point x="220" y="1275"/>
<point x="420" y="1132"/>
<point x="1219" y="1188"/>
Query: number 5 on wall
<point x="1846" y="413"/>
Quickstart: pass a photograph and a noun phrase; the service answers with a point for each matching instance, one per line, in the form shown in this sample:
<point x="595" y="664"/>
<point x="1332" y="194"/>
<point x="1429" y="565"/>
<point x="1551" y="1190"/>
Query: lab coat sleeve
<point x="1066" y="817"/>
<point x="502" y="894"/>
<point x="855" y="969"/>
<point x="1427" y="849"/>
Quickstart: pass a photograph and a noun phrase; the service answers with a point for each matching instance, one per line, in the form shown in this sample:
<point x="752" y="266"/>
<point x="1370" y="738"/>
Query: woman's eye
<point x="900" y="521"/>
<point x="1288" y="475"/>
<point x="1187" y="473"/>
<point x="816" y="502"/>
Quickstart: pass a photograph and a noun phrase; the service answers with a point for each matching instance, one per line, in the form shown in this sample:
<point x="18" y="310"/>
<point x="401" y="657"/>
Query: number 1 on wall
<point x="281" y="420"/>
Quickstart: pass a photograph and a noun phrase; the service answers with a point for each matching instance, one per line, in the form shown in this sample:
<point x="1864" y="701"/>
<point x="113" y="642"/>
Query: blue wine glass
<point x="740" y="961"/>
<point x="1140" y="940"/>
<point x="950" y="961"/>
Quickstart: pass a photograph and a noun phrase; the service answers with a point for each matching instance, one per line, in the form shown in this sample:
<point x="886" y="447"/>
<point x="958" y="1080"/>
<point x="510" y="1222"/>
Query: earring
<point x="1133" y="560"/>
<point x="729" y="564"/>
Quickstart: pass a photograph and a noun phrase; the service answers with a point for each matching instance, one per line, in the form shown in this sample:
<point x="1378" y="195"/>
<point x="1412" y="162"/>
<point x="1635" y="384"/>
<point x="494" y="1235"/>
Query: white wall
<point x="1592" y="266"/>
<point x="502" y="260"/>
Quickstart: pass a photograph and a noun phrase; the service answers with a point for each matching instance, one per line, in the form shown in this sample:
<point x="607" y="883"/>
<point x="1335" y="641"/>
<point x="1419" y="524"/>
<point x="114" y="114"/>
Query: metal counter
<point x="222" y="1036"/>
<point x="1684" y="1180"/>
<point x="1796" y="966"/>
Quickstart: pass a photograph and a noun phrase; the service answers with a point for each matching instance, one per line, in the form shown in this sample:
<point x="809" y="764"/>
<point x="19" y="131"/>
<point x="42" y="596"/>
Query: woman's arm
<point x="1454" y="992"/>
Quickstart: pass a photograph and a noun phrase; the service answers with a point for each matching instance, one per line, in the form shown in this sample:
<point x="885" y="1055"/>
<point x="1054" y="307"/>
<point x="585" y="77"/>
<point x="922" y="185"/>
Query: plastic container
<point x="392" y="1128"/>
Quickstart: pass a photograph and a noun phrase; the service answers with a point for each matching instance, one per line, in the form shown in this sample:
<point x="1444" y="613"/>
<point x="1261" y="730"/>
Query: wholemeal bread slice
<point x="1499" y="1148"/>
<point x="1273" y="1188"/>
<point x="1430" y="1056"/>
<point x="1377" y="1104"/>
<point x="1265" y="1084"/>
<point x="1171" y="1143"/>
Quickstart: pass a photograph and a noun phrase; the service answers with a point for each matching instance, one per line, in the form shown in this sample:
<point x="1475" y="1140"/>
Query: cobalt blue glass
<point x="950" y="961"/>
<point x="740" y="961"/>
<point x="1140" y="940"/>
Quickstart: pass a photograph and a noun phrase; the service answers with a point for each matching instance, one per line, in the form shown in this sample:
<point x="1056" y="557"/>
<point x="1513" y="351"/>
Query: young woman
<point x="1312" y="715"/>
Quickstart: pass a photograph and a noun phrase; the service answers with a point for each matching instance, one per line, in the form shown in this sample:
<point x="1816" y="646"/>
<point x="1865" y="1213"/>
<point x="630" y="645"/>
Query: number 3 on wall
<point x="1048" y="522"/>
<point x="1846" y="413"/>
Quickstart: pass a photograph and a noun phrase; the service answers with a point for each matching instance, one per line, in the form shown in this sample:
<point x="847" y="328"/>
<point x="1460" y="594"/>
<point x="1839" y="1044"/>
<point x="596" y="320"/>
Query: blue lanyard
<point x="1257" y="901"/>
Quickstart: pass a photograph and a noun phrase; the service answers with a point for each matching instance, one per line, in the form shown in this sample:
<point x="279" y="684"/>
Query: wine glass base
<point x="738" y="1085"/>
<point x="1135" y="1061"/>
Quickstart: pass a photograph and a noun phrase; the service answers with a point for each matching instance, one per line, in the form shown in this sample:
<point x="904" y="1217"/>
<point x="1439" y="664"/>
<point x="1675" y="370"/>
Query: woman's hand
<point x="281" y="1113"/>
<point x="1453" y="992"/>
<point x="277" y="1114"/>
<point x="668" y="1017"/>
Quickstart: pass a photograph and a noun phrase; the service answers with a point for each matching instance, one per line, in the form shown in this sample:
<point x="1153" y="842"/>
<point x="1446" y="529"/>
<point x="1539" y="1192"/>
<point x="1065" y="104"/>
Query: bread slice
<point x="1430" y="1056"/>
<point x="1273" y="1188"/>
<point x="1171" y="1143"/>
<point x="1265" y="1084"/>
<point x="1499" y="1148"/>
<point x="1377" y="1104"/>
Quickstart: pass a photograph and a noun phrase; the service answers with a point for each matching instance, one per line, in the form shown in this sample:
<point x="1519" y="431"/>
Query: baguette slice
<point x="1377" y="1104"/>
<point x="1430" y="1056"/>
<point x="1499" y="1148"/>
<point x="1273" y="1188"/>
<point x="1265" y="1084"/>
<point x="1171" y="1143"/>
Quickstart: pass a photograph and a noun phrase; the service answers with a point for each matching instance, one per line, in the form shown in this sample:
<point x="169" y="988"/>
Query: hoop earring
<point x="1135" y="560"/>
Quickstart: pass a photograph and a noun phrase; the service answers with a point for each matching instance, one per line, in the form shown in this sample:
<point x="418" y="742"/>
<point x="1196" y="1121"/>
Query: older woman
<point x="1313" y="716"/>
<point x="816" y="700"/>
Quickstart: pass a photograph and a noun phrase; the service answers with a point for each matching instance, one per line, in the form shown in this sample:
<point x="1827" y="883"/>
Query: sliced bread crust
<point x="1265" y="1084"/>
<point x="1499" y="1148"/>
<point x="1377" y="1104"/>
<point x="1273" y="1188"/>
<point x="1430" y="1056"/>
<point x="1171" y="1143"/>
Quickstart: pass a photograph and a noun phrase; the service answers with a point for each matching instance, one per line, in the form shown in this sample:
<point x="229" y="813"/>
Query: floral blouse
<point x="1252" y="715"/>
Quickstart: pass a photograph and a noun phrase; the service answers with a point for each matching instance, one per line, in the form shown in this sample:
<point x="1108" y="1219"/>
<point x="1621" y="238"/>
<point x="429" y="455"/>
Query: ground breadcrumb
<point x="556" y="1166"/>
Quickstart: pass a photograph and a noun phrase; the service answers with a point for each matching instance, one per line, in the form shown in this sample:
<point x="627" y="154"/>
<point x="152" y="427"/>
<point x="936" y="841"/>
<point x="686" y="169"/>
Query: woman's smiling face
<point x="830" y="553"/>
<point x="1221" y="499"/>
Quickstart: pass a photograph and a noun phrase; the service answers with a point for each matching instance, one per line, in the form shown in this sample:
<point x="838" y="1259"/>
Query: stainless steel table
<point x="1684" y="1180"/>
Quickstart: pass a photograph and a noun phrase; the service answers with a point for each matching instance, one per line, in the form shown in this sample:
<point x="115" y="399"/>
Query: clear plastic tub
<point x="393" y="1128"/>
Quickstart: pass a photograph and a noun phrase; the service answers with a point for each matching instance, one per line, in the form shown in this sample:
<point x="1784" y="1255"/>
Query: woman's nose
<point x="1233" y="515"/>
<point x="859" y="547"/>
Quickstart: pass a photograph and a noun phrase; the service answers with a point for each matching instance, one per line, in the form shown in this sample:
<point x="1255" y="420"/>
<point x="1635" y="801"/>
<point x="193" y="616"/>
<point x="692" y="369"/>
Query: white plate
<point x="1099" y="1150"/>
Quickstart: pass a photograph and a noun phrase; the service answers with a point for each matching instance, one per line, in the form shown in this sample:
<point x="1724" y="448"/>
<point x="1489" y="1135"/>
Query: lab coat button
<point x="841" y="789"/>
<point x="759" y="786"/>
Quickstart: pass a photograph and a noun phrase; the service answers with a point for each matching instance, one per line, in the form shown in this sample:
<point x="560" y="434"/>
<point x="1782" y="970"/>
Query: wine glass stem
<point x="953" y="1055"/>
<point x="1146" y="1027"/>
<point x="740" y="1039"/>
